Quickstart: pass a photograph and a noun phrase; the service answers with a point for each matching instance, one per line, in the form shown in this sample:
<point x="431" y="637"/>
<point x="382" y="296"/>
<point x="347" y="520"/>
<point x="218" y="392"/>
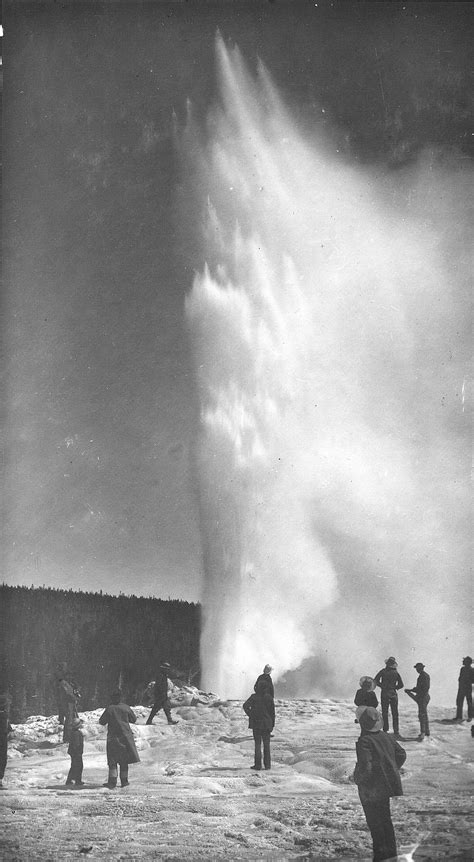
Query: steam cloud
<point x="327" y="328"/>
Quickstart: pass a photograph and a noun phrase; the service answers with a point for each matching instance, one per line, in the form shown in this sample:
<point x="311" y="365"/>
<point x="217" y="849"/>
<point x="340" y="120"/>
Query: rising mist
<point x="327" y="328"/>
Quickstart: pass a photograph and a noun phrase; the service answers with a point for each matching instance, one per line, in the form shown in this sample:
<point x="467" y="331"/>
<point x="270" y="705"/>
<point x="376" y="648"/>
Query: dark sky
<point x="101" y="404"/>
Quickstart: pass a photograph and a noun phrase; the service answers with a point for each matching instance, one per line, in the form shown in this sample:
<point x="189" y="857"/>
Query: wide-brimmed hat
<point x="418" y="664"/>
<point x="391" y="660"/>
<point x="371" y="720"/>
<point x="467" y="659"/>
<point x="367" y="681"/>
<point x="267" y="669"/>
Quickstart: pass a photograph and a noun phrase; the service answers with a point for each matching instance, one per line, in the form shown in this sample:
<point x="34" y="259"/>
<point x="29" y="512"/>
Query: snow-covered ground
<point x="193" y="795"/>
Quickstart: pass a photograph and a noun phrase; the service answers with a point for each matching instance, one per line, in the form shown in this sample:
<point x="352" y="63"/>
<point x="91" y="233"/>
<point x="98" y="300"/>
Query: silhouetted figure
<point x="365" y="695"/>
<point x="465" y="681"/>
<point x="260" y="709"/>
<point x="390" y="682"/>
<point x="75" y="751"/>
<point x="265" y="678"/>
<point x="420" y="694"/>
<point x="379" y="758"/>
<point x="160" y="694"/>
<point x="121" y="749"/>
<point x="5" y="729"/>
<point x="67" y="696"/>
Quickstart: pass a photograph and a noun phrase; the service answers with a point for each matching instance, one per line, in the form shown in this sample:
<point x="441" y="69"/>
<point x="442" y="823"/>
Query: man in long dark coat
<point x="389" y="681"/>
<point x="420" y="694"/>
<point x="160" y="695"/>
<point x="379" y="758"/>
<point x="121" y="749"/>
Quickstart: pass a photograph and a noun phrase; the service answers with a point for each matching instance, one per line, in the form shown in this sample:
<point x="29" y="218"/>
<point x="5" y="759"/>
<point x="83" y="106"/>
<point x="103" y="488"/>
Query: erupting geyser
<point x="321" y="459"/>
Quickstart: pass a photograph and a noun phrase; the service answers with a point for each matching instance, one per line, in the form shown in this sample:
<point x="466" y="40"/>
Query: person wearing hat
<point x="121" y="749"/>
<point x="365" y="696"/>
<point x="420" y="694"/>
<point x="465" y="681"/>
<point x="265" y="678"/>
<point x="75" y="751"/>
<point x="390" y="682"/>
<point x="379" y="758"/>
<point x="160" y="694"/>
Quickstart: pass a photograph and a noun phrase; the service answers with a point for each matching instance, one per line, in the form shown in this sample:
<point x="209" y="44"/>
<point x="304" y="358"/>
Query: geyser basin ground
<point x="193" y="796"/>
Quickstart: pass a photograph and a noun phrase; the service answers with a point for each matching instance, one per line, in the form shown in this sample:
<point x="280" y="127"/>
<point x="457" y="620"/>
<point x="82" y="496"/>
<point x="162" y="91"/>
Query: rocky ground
<point x="194" y="797"/>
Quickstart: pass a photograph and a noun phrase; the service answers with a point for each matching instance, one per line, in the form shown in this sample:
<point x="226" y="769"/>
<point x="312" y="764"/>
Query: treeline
<point x="106" y="641"/>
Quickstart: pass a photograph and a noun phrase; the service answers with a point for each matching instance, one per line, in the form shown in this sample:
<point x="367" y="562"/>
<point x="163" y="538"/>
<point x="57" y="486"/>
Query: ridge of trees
<point x="106" y="641"/>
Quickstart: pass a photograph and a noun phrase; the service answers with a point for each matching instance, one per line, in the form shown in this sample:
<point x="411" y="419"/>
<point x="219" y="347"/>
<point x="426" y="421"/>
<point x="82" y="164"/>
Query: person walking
<point x="5" y="729"/>
<point x="121" y="749"/>
<point x="260" y="708"/>
<point x="67" y="696"/>
<point x="75" y="751"/>
<point x="465" y="681"/>
<point x="420" y="694"/>
<point x="379" y="758"/>
<point x="365" y="696"/>
<point x="265" y="678"/>
<point x="160" y="694"/>
<point x="390" y="682"/>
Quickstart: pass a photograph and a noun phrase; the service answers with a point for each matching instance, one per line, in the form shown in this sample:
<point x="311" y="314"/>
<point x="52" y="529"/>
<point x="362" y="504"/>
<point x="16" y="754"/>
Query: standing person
<point x="260" y="709"/>
<point x="379" y="758"/>
<point x="160" y="694"/>
<point x="465" y="681"/>
<point x="365" y="696"/>
<point x="265" y="678"/>
<point x="5" y="729"/>
<point x="389" y="681"/>
<point x="121" y="749"/>
<point x="67" y="697"/>
<point x="420" y="694"/>
<point x="75" y="751"/>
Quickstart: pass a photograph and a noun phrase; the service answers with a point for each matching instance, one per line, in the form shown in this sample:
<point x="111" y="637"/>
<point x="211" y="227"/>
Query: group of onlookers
<point x="118" y="716"/>
<point x="390" y="682"/>
<point x="379" y="754"/>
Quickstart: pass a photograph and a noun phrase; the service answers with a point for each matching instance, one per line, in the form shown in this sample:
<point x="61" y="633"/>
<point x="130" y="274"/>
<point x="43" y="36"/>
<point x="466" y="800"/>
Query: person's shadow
<point x="67" y="788"/>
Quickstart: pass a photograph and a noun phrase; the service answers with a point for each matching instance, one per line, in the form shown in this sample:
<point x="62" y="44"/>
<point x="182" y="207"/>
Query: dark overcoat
<point x="160" y="691"/>
<point x="120" y="742"/>
<point x="261" y="711"/>
<point x="379" y="758"/>
<point x="365" y="698"/>
<point x="264" y="679"/>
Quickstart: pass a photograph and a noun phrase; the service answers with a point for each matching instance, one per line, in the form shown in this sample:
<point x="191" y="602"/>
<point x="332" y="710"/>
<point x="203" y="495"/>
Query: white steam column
<point x="300" y="323"/>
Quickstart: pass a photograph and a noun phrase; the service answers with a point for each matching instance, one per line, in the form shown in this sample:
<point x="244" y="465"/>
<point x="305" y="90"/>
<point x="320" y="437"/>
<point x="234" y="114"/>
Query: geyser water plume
<point x="317" y="323"/>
